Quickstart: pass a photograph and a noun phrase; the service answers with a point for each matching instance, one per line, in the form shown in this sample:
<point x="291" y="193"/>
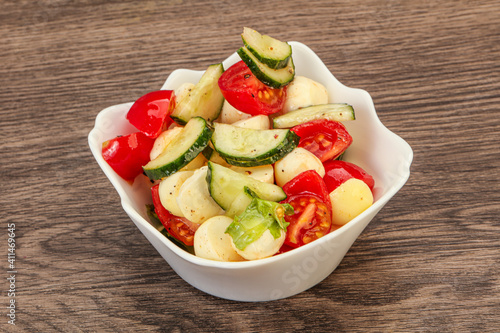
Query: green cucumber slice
<point x="205" y="99"/>
<point x="268" y="50"/>
<point x="184" y="148"/>
<point x="332" y="111"/>
<point x="227" y="187"/>
<point x="251" y="147"/>
<point x="274" y="78"/>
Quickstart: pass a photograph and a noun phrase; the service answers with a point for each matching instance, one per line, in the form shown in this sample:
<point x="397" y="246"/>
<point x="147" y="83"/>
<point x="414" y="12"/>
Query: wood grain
<point x="428" y="262"/>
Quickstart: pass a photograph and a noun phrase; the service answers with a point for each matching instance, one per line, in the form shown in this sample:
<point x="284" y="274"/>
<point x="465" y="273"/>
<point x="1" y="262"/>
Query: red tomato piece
<point x="150" y="114"/>
<point x="307" y="182"/>
<point x="307" y="193"/>
<point x="179" y="227"/>
<point x="337" y="172"/>
<point x="247" y="94"/>
<point x="326" y="139"/>
<point x="127" y="154"/>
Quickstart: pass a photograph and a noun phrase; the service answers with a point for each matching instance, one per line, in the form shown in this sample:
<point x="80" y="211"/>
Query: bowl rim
<point x="136" y="216"/>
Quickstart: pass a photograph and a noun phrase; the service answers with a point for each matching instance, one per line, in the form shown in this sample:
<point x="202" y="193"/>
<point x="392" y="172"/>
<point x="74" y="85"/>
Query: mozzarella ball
<point x="169" y="189"/>
<point x="303" y="92"/>
<point x="212" y="242"/>
<point x="263" y="173"/>
<point x="194" y="199"/>
<point x="259" y="122"/>
<point x="230" y="114"/>
<point x="265" y="246"/>
<point x="349" y="200"/>
<point x="296" y="162"/>
<point x="163" y="140"/>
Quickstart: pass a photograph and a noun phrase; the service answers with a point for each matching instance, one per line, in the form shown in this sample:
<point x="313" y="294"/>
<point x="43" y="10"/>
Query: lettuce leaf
<point x="259" y="216"/>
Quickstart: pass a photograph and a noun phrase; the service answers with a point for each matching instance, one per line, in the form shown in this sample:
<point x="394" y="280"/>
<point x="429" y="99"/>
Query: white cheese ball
<point x="265" y="246"/>
<point x="303" y="92"/>
<point x="296" y="162"/>
<point x="169" y="189"/>
<point x="349" y="200"/>
<point x="211" y="241"/>
<point x="194" y="199"/>
<point x="263" y="173"/>
<point x="230" y="114"/>
<point x="260" y="122"/>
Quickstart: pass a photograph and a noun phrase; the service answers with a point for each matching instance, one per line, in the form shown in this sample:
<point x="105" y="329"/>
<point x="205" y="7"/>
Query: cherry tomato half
<point x="326" y="139"/>
<point x="127" y="154"/>
<point x="337" y="172"/>
<point x="309" y="198"/>
<point x="150" y="114"/>
<point x="179" y="227"/>
<point x="247" y="94"/>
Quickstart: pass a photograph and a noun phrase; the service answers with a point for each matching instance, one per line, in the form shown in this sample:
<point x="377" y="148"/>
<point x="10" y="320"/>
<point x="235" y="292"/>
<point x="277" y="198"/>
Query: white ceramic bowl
<point x="380" y="152"/>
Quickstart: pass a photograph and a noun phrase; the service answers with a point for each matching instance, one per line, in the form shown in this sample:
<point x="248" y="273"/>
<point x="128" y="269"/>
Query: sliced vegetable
<point x="155" y="221"/>
<point x="150" y="114"/>
<point x="307" y="182"/>
<point x="127" y="154"/>
<point x="249" y="147"/>
<point x="337" y="172"/>
<point x="181" y="150"/>
<point x="308" y="196"/>
<point x="225" y="185"/>
<point x="332" y="111"/>
<point x="349" y="200"/>
<point x="246" y="93"/>
<point x="274" y="78"/>
<point x="260" y="215"/>
<point x="163" y="140"/>
<point x="268" y="50"/>
<point x="204" y="100"/>
<point x="326" y="139"/>
<point x="179" y="227"/>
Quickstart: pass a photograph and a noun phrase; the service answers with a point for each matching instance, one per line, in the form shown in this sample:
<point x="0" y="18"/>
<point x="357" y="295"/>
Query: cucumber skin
<point x="168" y="169"/>
<point x="264" y="78"/>
<point x="287" y="120"/>
<point x="210" y="171"/>
<point x="269" y="62"/>
<point x="290" y="142"/>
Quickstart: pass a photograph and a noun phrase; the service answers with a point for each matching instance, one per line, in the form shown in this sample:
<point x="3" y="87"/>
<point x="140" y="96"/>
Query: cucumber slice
<point x="204" y="100"/>
<point x="332" y="111"/>
<point x="251" y="147"/>
<point x="227" y="186"/>
<point x="274" y="78"/>
<point x="184" y="148"/>
<point x="269" y="51"/>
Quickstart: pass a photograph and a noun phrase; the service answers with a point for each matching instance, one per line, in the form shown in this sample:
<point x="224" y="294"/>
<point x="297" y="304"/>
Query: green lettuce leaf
<point x="259" y="216"/>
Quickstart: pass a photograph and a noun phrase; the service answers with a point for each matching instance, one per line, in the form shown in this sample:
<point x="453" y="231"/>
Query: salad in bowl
<point x="260" y="163"/>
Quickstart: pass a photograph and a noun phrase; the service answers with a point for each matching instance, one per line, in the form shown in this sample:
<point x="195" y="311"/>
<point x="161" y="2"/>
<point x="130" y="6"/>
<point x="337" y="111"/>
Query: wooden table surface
<point x="429" y="261"/>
